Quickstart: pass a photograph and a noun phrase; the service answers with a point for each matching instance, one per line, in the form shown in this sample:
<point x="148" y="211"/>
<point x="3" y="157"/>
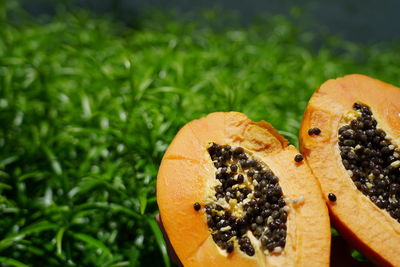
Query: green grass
<point x="88" y="107"/>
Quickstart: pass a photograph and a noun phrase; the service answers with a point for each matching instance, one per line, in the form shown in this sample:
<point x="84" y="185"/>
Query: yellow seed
<point x="232" y="202"/>
<point x="395" y="164"/>
<point x="351" y="115"/>
<point x="226" y="228"/>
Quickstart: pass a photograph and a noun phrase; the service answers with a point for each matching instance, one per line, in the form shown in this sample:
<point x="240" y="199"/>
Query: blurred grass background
<point x="88" y="106"/>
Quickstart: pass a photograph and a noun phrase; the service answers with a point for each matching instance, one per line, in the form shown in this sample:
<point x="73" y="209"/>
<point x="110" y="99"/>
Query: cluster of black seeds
<point x="371" y="160"/>
<point x="244" y="180"/>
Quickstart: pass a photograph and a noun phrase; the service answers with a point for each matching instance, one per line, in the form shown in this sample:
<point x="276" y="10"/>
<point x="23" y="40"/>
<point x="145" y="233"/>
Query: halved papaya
<point x="350" y="137"/>
<point x="232" y="192"/>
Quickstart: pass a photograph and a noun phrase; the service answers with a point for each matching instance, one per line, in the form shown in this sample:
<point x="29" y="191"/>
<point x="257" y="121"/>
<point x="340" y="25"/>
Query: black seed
<point x="358" y="184"/>
<point x="349" y="142"/>
<point x="376" y="140"/>
<point x="234" y="168"/>
<point x="271" y="246"/>
<point x="208" y="209"/>
<point x="228" y="214"/>
<point x="275" y="214"/>
<point x="197" y="206"/>
<point x="242" y="156"/>
<point x="346" y="163"/>
<point x="238" y="150"/>
<point x="351" y="155"/>
<point x="273" y="180"/>
<point x="210" y="222"/>
<point x="382" y="203"/>
<point x="332" y="197"/>
<point x="343" y="129"/>
<point x="357" y="106"/>
<point x="385" y="150"/>
<point x="261" y="201"/>
<point x="229" y="247"/>
<point x="250" y="211"/>
<point x="243" y="163"/>
<point x="253" y="202"/>
<point x="221" y="224"/>
<point x="219" y="189"/>
<point x="250" y="173"/>
<point x="376" y="172"/>
<point x="315" y="131"/>
<point x="262" y="183"/>
<point x="242" y="231"/>
<point x="394" y="188"/>
<point x="275" y="206"/>
<point x="277" y="190"/>
<point x="298" y="158"/>
<point x="240" y="178"/>
<point x="225" y="236"/>
<point x="348" y="133"/>
<point x="283" y="217"/>
<point x="363" y="137"/>
<point x="233" y="233"/>
<point x="250" y="251"/>
<point x="264" y="241"/>
<point x="230" y="181"/>
<point x="217" y="165"/>
<point x="281" y="202"/>
<point x="251" y="163"/>
<point x="370" y="132"/>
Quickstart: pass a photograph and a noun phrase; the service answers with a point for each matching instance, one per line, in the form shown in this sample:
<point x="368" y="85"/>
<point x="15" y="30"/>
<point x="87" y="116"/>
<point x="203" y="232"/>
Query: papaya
<point x="349" y="136"/>
<point x="233" y="192"/>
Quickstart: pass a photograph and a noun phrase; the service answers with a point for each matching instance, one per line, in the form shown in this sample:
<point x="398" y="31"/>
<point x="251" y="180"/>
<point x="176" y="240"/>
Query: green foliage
<point x="88" y="107"/>
<point x="358" y="256"/>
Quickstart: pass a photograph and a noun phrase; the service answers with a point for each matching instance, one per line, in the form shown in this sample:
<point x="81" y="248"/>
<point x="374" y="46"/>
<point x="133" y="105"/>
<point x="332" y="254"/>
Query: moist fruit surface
<point x="231" y="192"/>
<point x="355" y="156"/>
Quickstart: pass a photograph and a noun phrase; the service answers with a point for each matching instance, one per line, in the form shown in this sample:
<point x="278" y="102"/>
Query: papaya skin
<point x="370" y="229"/>
<point x="186" y="169"/>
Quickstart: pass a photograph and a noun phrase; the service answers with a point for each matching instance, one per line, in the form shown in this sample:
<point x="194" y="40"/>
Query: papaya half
<point x="232" y="192"/>
<point x="350" y="137"/>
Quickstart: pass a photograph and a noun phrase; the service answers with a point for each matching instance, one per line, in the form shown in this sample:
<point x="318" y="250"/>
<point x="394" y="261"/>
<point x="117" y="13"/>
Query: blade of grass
<point x="11" y="262"/>
<point x="160" y="240"/>
<point x="59" y="238"/>
<point x="33" y="228"/>
<point x="93" y="242"/>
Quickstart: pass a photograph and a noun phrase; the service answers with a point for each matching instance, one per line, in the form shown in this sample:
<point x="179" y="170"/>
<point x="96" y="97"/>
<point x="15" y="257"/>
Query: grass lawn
<point x="88" y="107"/>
